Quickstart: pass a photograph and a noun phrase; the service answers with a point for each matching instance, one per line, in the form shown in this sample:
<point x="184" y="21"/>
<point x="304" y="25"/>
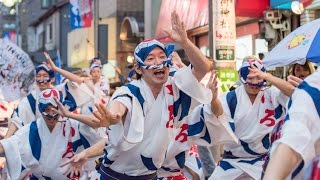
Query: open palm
<point x="50" y="64"/>
<point x="106" y="117"/>
<point x="213" y="85"/>
<point x="75" y="164"/>
<point x="178" y="32"/>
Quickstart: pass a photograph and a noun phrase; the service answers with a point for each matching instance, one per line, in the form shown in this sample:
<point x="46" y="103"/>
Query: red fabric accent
<point x="306" y="2"/>
<point x="251" y="8"/>
<point x="103" y="101"/>
<point x="178" y="177"/>
<point x="262" y="99"/>
<point x="73" y="132"/>
<point x="3" y="107"/>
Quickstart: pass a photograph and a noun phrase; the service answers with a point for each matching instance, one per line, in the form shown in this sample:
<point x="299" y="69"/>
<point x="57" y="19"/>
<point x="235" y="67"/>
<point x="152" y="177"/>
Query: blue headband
<point x="144" y="48"/>
<point x="46" y="69"/>
<point x="47" y="96"/>
<point x="244" y="71"/>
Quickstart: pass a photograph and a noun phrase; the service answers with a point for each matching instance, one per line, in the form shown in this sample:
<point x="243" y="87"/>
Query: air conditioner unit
<point x="273" y="15"/>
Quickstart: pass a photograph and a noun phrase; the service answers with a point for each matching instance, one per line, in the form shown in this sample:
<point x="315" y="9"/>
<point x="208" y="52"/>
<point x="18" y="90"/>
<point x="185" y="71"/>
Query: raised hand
<point x="293" y="80"/>
<point x="62" y="110"/>
<point x="213" y="85"/>
<point x="256" y="73"/>
<point x="178" y="32"/>
<point x="106" y="117"/>
<point x="75" y="164"/>
<point x="50" y="64"/>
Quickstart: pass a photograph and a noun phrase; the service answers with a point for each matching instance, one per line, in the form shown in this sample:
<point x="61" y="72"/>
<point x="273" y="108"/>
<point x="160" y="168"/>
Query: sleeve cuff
<point x="12" y="155"/>
<point x="297" y="137"/>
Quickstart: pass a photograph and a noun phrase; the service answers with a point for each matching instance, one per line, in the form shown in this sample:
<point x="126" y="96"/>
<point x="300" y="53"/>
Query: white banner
<point x="224" y="26"/>
<point x="80" y="47"/>
<point x="17" y="74"/>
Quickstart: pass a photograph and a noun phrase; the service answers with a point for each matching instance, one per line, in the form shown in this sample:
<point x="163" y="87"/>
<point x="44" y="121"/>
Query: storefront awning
<point x="194" y="13"/>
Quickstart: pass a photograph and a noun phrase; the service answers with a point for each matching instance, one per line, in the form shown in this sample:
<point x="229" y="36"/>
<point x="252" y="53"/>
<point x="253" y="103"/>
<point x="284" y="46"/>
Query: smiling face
<point x="50" y="116"/>
<point x="95" y="74"/>
<point x="154" y="77"/>
<point x="42" y="78"/>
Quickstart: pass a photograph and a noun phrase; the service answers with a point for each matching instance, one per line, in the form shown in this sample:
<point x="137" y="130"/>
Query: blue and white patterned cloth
<point x="144" y="48"/>
<point x="244" y="71"/>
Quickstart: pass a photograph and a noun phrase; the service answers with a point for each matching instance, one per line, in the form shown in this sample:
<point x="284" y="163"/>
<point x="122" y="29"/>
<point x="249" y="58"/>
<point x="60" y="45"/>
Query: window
<point x="49" y="33"/>
<point x="41" y="41"/>
<point x="317" y="13"/>
<point x="45" y="4"/>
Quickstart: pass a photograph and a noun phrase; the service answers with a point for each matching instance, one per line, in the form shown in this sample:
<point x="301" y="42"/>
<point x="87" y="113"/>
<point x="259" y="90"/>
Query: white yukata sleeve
<point x="207" y="129"/>
<point x="12" y="154"/>
<point x="78" y="94"/>
<point x="14" y="148"/>
<point x="23" y="114"/>
<point x="98" y="93"/>
<point x="124" y="136"/>
<point x="88" y="135"/>
<point x="301" y="128"/>
<point x="105" y="85"/>
<point x="189" y="84"/>
<point x="15" y="120"/>
<point x="278" y="96"/>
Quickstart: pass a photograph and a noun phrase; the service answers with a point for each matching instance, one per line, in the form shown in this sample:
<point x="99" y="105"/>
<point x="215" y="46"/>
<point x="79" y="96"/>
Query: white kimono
<point x="34" y="149"/>
<point x="100" y="95"/>
<point x="193" y="162"/>
<point x="201" y="128"/>
<point x="252" y="124"/>
<point x="138" y="147"/>
<point x="301" y="129"/>
<point x="28" y="111"/>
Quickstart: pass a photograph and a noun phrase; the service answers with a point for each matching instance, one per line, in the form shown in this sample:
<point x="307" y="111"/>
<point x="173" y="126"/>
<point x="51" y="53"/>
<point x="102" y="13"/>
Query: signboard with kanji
<point x="227" y="78"/>
<point x="224" y="26"/>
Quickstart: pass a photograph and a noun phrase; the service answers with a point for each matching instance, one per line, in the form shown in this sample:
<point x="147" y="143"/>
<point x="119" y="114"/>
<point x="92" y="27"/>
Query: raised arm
<point x="12" y="128"/>
<point x="216" y="106"/>
<point x="201" y="64"/>
<point x="282" y="162"/>
<point x="177" y="60"/>
<point x="66" y="74"/>
<point x="89" y="120"/>
<point x="281" y="84"/>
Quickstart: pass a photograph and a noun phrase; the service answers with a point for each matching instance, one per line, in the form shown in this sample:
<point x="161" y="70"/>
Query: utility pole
<point x="223" y="40"/>
<point x="17" y="24"/>
<point x="95" y="26"/>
